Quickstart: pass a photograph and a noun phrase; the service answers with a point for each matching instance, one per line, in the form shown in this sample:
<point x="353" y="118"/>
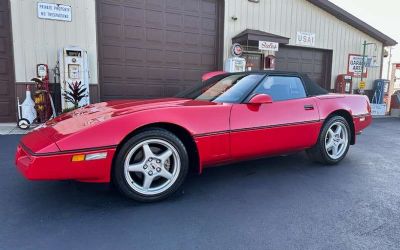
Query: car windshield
<point x="229" y="89"/>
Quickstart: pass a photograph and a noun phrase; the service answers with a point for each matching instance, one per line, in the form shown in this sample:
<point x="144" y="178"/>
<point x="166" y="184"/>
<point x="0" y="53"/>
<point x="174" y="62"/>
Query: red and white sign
<point x="271" y="46"/>
<point x="355" y="66"/>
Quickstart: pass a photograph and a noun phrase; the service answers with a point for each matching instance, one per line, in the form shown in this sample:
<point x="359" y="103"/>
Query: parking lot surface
<point x="276" y="203"/>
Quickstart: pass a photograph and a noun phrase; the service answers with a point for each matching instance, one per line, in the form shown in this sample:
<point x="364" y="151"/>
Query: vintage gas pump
<point x="74" y="76"/>
<point x="42" y="97"/>
<point x="381" y="94"/>
<point x="344" y="84"/>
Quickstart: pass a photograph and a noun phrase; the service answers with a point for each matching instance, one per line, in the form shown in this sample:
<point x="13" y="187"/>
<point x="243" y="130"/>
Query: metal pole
<point x="363" y="60"/>
<point x="389" y="63"/>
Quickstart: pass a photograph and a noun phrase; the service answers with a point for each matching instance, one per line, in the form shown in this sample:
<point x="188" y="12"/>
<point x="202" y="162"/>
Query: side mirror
<point x="260" y="99"/>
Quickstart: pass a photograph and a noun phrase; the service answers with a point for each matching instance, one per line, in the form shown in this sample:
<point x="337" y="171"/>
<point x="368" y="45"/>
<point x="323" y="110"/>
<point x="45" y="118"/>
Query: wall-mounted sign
<point x="54" y="11"/>
<point x="305" y="39"/>
<point x="237" y="50"/>
<point x="355" y="66"/>
<point x="271" y="46"/>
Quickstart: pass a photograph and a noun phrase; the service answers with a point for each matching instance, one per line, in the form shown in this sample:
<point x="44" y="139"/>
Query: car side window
<point x="282" y="88"/>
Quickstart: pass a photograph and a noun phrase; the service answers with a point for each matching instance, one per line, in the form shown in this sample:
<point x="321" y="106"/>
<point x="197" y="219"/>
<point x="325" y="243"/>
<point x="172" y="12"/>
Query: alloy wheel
<point x="152" y="166"/>
<point x="336" y="140"/>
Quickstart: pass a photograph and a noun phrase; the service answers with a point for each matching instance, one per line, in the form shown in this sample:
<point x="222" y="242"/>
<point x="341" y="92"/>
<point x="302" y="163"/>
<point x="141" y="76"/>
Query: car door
<point x="289" y="123"/>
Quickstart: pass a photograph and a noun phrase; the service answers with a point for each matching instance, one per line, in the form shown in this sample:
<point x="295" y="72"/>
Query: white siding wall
<point x="37" y="40"/>
<point x="286" y="17"/>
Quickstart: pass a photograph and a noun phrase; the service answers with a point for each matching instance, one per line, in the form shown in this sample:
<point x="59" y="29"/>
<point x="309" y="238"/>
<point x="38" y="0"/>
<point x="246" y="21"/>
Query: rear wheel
<point x="151" y="166"/>
<point x="333" y="142"/>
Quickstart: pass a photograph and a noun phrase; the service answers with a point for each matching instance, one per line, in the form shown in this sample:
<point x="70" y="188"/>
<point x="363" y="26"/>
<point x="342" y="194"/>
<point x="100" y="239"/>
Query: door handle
<point x="309" y="107"/>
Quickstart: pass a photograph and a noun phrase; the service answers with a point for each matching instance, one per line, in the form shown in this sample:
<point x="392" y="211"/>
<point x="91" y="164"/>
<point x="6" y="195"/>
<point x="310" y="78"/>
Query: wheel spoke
<point x="167" y="175"/>
<point x="147" y="181"/>
<point x="147" y="151"/>
<point x="335" y="150"/>
<point x="137" y="167"/>
<point x="338" y="130"/>
<point x="165" y="155"/>
<point x="329" y="145"/>
<point x="331" y="133"/>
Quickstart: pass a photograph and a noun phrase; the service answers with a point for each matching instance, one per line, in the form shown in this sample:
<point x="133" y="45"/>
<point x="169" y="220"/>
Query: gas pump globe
<point x="74" y="72"/>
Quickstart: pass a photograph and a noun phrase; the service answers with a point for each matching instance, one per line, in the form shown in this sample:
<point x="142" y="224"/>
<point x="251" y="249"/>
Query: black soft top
<point x="311" y="87"/>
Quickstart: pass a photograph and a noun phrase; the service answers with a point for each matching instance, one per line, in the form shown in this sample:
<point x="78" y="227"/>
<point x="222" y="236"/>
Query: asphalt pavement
<point x="276" y="203"/>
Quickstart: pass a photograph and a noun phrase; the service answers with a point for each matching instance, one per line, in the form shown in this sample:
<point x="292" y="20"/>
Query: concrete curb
<point x="12" y="129"/>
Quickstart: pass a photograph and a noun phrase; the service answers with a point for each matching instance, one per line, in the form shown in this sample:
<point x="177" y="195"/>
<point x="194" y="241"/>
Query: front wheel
<point x="151" y="166"/>
<point x="333" y="142"/>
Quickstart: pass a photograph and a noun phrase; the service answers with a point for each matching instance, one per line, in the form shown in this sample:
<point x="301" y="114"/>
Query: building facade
<point x="153" y="48"/>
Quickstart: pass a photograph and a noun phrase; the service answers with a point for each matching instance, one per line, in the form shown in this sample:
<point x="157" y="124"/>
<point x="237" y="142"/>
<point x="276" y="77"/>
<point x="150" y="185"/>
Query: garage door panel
<point x="209" y="25"/>
<point x="4" y="88"/>
<point x="155" y="5"/>
<point x="155" y="42"/>
<point x="7" y="87"/>
<point x="155" y="56"/>
<point x="173" y="75"/>
<point x="191" y="6"/>
<point x="173" y="57"/>
<point x="134" y="36"/>
<point x="133" y="73"/>
<point x="191" y="23"/>
<point x="174" y="4"/>
<point x="133" y="16"/>
<point x="173" y="21"/>
<point x="112" y="13"/>
<point x="134" y="56"/>
<point x="112" y="54"/>
<point x="209" y="8"/>
<point x="154" y="19"/>
<point x="111" y="32"/>
<point x="313" y="62"/>
<point x="173" y="38"/>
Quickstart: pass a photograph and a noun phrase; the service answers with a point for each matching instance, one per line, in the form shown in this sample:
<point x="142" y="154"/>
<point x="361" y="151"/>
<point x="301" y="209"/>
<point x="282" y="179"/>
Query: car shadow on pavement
<point x="231" y="178"/>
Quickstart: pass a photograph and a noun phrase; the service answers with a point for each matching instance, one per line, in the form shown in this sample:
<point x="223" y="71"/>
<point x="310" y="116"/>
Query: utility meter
<point x="74" y="72"/>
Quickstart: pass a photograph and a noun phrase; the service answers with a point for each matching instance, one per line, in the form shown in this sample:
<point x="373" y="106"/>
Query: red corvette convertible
<point x="147" y="147"/>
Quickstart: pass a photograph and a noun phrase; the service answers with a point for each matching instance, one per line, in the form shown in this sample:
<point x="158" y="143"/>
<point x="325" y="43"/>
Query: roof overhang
<point x="251" y="37"/>
<point x="348" y="18"/>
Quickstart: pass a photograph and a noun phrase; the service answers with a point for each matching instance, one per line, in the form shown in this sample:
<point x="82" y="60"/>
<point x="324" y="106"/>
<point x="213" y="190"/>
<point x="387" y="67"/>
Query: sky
<point x="384" y="15"/>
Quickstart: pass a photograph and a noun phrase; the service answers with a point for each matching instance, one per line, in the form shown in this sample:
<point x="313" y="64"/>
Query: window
<point x="282" y="88"/>
<point x="229" y="89"/>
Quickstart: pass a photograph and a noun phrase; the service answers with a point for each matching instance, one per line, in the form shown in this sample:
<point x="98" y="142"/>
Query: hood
<point x="101" y="112"/>
<point x="78" y="120"/>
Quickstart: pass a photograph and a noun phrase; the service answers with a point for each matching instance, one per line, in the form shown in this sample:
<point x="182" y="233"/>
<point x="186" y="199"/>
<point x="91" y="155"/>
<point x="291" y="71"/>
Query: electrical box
<point x="74" y="68"/>
<point x="235" y="64"/>
<point x="344" y="84"/>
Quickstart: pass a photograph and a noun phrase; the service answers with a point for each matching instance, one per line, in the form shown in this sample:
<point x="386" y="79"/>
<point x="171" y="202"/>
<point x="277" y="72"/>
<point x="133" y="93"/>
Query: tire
<point x="151" y="166"/>
<point x="332" y="145"/>
<point x="24" y="124"/>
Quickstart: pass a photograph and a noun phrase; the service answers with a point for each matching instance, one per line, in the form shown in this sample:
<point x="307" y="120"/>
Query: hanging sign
<point x="305" y="39"/>
<point x="237" y="50"/>
<point x="270" y="46"/>
<point x="54" y="11"/>
<point x="355" y="66"/>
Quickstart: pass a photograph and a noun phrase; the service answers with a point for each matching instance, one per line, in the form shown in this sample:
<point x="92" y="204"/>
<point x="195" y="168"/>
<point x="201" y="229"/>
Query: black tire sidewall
<point x="118" y="174"/>
<point x="325" y="156"/>
<point x="28" y="124"/>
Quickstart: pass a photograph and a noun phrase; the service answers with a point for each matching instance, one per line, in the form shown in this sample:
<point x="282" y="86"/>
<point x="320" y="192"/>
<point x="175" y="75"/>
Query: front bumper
<point x="59" y="166"/>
